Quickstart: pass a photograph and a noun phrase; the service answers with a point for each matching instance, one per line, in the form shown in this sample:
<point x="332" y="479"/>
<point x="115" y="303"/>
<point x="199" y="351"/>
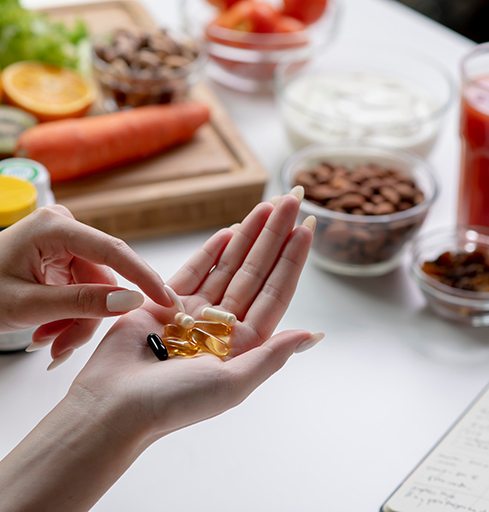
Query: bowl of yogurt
<point x="385" y="96"/>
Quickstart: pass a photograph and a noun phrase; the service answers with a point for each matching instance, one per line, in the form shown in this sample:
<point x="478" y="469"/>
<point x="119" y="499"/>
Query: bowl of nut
<point x="451" y="267"/>
<point x="136" y="68"/>
<point x="368" y="201"/>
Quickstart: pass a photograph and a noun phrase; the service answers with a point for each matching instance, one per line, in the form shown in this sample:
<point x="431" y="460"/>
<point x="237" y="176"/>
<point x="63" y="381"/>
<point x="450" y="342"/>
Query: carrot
<point x="79" y="147"/>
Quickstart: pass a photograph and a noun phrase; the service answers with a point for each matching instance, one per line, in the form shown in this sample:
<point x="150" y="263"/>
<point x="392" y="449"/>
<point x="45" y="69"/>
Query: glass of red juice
<point x="473" y="202"/>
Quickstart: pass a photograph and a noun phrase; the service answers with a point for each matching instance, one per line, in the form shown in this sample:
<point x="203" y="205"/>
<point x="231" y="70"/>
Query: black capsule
<point x="157" y="346"/>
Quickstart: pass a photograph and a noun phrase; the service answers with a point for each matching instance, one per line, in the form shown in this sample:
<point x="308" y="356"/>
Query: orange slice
<point x="47" y="92"/>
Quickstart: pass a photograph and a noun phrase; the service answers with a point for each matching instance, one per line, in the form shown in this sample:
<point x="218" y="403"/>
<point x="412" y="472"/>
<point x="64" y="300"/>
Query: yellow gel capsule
<point x="210" y="343"/>
<point x="222" y="331"/>
<point x="182" y="348"/>
<point x="175" y="332"/>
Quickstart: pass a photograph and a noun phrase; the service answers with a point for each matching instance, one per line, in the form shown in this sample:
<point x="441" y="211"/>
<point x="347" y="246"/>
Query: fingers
<point x="74" y="336"/>
<point x="84" y="271"/>
<point x="254" y="367"/>
<point x="254" y="270"/>
<point x="188" y="279"/>
<point x="45" y="334"/>
<point x="62" y="210"/>
<point x="68" y="335"/>
<point x="77" y="301"/>
<point x="233" y="256"/>
<point x="278" y="290"/>
<point x="99" y="248"/>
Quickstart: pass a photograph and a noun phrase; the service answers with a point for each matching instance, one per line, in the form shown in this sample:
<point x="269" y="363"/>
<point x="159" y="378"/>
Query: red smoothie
<point x="473" y="204"/>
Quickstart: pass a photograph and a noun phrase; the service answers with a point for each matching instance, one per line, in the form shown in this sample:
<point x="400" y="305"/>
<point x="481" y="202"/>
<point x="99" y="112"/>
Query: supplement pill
<point x="157" y="346"/>
<point x="217" y="315"/>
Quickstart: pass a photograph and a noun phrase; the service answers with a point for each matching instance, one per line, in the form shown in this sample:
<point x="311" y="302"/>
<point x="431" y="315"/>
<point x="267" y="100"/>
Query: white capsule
<point x="216" y="315"/>
<point x="177" y="301"/>
<point x="184" y="320"/>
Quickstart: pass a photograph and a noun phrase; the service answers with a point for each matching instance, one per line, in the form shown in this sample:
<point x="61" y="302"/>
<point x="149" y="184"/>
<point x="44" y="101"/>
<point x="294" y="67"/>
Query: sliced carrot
<point x="74" y="148"/>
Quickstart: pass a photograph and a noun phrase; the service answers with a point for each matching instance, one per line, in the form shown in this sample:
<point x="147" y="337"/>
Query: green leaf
<point x="28" y="35"/>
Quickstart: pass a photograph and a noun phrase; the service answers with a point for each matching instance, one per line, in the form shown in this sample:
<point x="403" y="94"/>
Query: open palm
<point x="250" y="270"/>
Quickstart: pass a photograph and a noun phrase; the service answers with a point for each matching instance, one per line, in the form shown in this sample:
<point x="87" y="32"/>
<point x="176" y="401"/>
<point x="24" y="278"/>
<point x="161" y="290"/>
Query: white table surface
<point x="340" y="426"/>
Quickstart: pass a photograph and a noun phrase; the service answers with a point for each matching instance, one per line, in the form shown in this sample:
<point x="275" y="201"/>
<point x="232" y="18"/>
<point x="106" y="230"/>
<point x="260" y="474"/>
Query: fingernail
<point x="177" y="301"/>
<point x="38" y="345"/>
<point x="310" y="223"/>
<point x="274" y="200"/>
<point x="59" y="360"/>
<point x="234" y="227"/>
<point x="310" y="342"/>
<point x="298" y="192"/>
<point x="124" y="301"/>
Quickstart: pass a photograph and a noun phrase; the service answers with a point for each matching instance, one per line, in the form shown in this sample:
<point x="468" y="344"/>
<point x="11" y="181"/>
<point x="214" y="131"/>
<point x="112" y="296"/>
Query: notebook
<point x="454" y="476"/>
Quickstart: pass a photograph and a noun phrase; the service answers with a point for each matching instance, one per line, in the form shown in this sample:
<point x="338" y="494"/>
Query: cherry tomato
<point x="249" y="16"/>
<point x="264" y="18"/>
<point x="288" y="24"/>
<point x="307" y="11"/>
<point x="223" y="5"/>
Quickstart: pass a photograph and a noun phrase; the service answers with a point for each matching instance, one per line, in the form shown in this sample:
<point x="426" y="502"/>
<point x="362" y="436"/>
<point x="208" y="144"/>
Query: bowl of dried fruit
<point x="136" y="68"/>
<point x="369" y="202"/>
<point x="451" y="266"/>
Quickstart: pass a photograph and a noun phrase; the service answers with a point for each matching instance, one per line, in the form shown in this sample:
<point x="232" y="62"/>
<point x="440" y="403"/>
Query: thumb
<point x="47" y="303"/>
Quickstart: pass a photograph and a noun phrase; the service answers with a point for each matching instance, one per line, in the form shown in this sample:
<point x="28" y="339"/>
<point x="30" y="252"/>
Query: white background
<point x="340" y="426"/>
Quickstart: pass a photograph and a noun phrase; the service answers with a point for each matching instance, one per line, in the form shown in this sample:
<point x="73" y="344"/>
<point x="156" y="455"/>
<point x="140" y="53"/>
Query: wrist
<point x="115" y="416"/>
<point x="72" y="457"/>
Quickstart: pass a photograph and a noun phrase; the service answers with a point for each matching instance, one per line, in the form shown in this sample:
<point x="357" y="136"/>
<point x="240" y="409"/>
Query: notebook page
<point x="455" y="475"/>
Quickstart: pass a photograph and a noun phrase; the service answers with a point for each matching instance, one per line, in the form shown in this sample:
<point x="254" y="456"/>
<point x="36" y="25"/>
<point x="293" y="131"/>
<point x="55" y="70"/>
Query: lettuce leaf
<point x="28" y="35"/>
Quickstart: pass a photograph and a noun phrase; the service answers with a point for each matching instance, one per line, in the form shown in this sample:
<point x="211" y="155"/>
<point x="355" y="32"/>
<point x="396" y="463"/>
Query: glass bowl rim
<point x="474" y="52"/>
<point x="332" y="14"/>
<point x="434" y="287"/>
<point x="412" y="160"/>
<point x="440" y="111"/>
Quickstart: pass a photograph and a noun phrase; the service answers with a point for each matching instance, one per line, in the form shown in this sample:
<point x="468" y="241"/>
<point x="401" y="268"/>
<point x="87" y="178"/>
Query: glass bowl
<point x="365" y="95"/>
<point x="362" y="245"/>
<point x="247" y="61"/>
<point x="467" y="307"/>
<point x="131" y="79"/>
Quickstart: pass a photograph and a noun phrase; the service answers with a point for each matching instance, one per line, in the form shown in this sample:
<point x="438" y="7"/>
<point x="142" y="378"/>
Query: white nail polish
<point x="298" y="192"/>
<point x="123" y="301"/>
<point x="59" y="360"/>
<point x="310" y="342"/>
<point x="177" y="301"/>
<point x="38" y="345"/>
<point x="275" y="200"/>
<point x="310" y="223"/>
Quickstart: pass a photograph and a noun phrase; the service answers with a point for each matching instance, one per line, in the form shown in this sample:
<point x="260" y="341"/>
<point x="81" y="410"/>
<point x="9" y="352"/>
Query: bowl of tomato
<point x="247" y="39"/>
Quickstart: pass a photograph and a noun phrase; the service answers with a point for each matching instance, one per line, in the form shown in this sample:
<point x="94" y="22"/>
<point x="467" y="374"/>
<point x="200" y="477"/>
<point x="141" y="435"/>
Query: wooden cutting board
<point x="214" y="180"/>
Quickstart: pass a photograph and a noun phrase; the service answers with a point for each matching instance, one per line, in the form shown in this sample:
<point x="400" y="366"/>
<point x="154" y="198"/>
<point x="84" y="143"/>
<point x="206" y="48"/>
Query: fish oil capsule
<point x="181" y="348"/>
<point x="210" y="343"/>
<point x="216" y="315"/>
<point x="176" y="332"/>
<point x="218" y="329"/>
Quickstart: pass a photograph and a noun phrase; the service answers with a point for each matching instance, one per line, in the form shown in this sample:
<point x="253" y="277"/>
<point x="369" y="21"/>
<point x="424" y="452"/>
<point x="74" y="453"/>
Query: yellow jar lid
<point x="17" y="199"/>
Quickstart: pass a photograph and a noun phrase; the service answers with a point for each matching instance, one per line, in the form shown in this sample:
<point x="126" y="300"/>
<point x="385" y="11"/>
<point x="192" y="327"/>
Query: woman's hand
<point x="55" y="274"/>
<point x="124" y="398"/>
<point x="252" y="271"/>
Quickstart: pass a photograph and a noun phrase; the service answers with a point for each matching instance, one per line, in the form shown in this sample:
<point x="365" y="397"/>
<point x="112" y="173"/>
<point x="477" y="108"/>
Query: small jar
<point x="18" y="198"/>
<point x="31" y="171"/>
